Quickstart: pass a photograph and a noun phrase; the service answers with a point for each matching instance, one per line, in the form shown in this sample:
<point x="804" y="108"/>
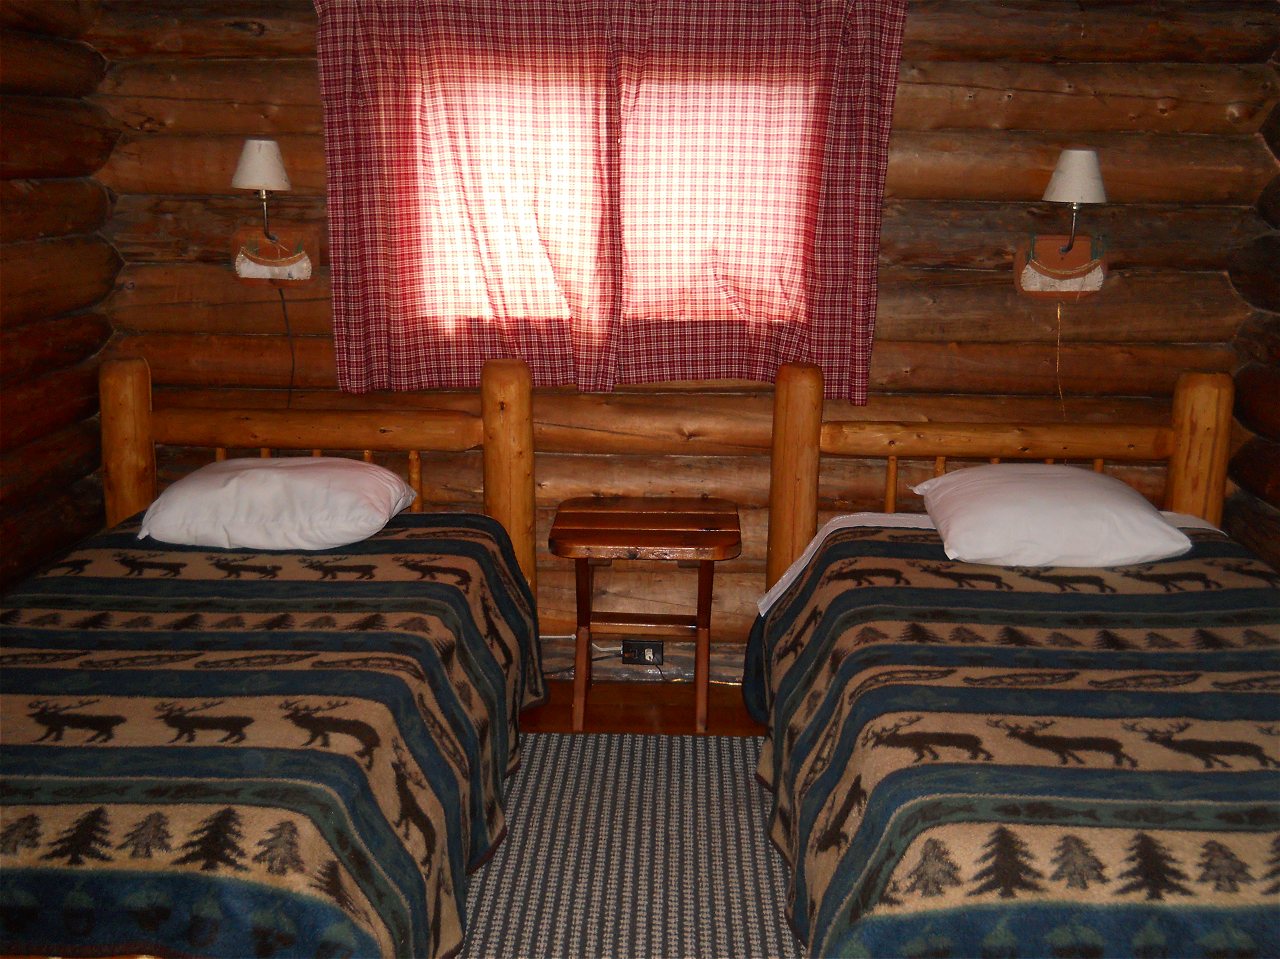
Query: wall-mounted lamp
<point x="1045" y="266"/>
<point x="266" y="257"/>
<point x="261" y="168"/>
<point x="1076" y="180"/>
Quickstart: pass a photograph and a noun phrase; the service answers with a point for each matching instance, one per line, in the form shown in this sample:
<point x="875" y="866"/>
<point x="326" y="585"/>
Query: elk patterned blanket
<point x="225" y="753"/>
<point x="984" y="761"/>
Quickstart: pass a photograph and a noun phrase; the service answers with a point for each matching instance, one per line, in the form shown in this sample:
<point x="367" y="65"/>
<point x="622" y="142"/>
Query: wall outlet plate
<point x="641" y="652"/>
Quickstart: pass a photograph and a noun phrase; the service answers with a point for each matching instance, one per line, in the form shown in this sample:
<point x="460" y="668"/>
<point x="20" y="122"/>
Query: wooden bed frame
<point x="1194" y="445"/>
<point x="131" y="429"/>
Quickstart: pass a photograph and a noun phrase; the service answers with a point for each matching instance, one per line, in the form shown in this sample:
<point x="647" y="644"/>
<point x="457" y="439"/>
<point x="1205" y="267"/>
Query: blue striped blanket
<point x="259" y="754"/>
<point x="985" y="761"/>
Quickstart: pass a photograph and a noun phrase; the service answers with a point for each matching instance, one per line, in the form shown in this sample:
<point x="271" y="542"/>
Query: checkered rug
<point x="633" y="846"/>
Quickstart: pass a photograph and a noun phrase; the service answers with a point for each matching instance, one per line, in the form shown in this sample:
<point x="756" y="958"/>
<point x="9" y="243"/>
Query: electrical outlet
<point x="641" y="652"/>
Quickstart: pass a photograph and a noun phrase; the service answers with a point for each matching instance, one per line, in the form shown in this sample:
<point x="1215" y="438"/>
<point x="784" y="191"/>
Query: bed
<point x="979" y="760"/>
<point x="232" y="752"/>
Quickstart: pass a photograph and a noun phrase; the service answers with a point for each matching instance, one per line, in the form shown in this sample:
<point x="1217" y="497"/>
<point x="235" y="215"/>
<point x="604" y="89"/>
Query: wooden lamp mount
<point x="281" y="258"/>
<point x="1055" y="268"/>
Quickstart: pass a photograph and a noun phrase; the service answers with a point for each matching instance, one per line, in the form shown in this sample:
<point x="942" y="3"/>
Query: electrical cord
<point x="293" y="354"/>
<point x="567" y="669"/>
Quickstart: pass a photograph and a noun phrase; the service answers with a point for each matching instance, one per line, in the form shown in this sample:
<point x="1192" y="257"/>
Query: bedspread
<point x="235" y="754"/>
<point x="983" y="761"/>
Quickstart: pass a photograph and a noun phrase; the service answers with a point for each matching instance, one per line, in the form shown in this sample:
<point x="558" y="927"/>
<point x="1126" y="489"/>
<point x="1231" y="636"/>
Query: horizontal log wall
<point x="55" y="268"/>
<point x="1253" y="513"/>
<point x="1175" y="96"/>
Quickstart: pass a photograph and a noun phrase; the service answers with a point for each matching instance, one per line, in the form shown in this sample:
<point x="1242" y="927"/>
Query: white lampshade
<point x="260" y="167"/>
<point x="1076" y="179"/>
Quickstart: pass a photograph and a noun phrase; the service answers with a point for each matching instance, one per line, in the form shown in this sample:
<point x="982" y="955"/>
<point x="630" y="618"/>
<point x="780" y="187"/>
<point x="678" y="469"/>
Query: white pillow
<point x="1038" y="514"/>
<point x="291" y="503"/>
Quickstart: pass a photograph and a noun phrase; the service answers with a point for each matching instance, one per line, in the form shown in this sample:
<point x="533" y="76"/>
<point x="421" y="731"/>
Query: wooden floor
<point x="658" y="708"/>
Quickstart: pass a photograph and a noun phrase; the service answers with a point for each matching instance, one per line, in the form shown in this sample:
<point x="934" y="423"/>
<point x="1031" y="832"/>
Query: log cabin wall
<point x="55" y="268"/>
<point x="1252" y="513"/>
<point x="1173" y="95"/>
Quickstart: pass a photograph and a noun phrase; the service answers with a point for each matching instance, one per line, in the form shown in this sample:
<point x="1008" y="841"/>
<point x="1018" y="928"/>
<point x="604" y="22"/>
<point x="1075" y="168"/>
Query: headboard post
<point x="793" y="477"/>
<point x="1202" y="430"/>
<point x="506" y="403"/>
<point x="128" y="453"/>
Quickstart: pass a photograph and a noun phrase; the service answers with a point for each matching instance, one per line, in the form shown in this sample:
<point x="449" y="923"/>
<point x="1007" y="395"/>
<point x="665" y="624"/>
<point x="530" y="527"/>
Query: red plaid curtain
<point x="616" y="191"/>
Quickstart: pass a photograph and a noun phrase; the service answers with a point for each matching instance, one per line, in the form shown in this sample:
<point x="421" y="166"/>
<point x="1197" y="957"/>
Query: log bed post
<point x="128" y="452"/>
<point x="1202" y="432"/>
<point x="793" y="470"/>
<point x="506" y="403"/>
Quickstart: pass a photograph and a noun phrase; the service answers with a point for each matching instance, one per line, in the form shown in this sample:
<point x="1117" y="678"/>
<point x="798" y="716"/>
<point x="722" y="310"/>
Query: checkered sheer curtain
<point x="616" y="191"/>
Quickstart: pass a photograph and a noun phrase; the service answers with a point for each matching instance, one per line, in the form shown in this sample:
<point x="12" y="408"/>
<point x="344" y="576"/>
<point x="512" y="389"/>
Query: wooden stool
<point x="684" y="529"/>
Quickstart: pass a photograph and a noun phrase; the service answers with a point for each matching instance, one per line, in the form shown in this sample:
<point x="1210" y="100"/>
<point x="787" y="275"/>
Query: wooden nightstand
<point x="683" y="529"/>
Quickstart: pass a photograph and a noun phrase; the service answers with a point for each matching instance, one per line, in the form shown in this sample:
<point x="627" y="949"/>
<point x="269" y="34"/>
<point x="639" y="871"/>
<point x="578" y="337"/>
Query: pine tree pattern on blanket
<point x="975" y="760"/>
<point x="233" y="753"/>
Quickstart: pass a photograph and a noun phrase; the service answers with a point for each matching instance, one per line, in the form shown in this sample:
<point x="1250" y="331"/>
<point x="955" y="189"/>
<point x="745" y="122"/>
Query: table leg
<point x="582" y="649"/>
<point x="702" y="645"/>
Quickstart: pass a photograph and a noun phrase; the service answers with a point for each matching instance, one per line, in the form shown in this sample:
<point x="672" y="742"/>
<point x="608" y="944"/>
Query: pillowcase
<point x="1039" y="514"/>
<point x="290" y="503"/>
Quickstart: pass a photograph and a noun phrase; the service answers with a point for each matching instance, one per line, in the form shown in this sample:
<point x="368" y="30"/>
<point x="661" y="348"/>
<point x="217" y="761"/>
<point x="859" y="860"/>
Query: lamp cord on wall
<point x="293" y="355"/>
<point x="1057" y="366"/>
<point x="1057" y="360"/>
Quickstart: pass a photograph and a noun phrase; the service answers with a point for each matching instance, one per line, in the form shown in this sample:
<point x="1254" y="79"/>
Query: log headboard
<point x="131" y="429"/>
<point x="1194" y="445"/>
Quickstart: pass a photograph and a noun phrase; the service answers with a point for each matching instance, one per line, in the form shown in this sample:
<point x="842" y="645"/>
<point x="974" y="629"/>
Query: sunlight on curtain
<point x="617" y="192"/>
<point x="719" y="190"/>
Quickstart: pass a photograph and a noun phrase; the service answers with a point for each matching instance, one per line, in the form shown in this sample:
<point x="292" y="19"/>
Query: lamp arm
<point x="1071" y="240"/>
<point x="266" y="222"/>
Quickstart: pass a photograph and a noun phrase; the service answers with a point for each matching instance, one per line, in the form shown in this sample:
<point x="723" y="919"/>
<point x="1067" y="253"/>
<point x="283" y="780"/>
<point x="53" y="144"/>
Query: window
<point x="615" y="191"/>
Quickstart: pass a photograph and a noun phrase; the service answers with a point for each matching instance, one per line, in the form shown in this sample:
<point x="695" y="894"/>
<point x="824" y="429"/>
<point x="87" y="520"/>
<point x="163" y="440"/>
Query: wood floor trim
<point x="662" y="709"/>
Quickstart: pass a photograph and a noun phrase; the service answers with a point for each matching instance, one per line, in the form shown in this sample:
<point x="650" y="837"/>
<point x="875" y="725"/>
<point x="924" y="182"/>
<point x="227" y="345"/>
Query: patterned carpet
<point x="633" y="846"/>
